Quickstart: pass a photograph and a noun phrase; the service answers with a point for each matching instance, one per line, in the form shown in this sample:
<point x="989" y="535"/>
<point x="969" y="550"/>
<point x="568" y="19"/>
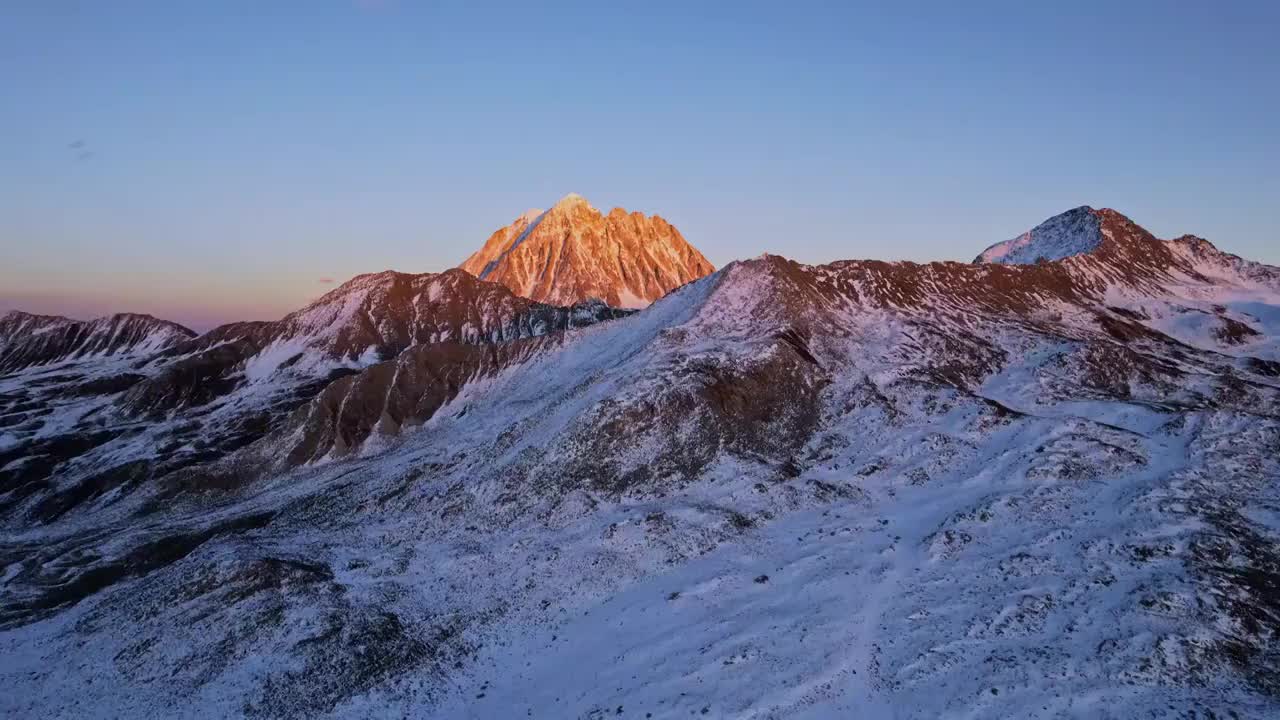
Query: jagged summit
<point x="572" y="200"/>
<point x="572" y="252"/>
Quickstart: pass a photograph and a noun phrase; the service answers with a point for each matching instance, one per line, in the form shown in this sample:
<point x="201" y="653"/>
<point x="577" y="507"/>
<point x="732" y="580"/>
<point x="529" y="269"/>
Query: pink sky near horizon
<point x="210" y="162"/>
<point x="197" y="306"/>
<point x="219" y="292"/>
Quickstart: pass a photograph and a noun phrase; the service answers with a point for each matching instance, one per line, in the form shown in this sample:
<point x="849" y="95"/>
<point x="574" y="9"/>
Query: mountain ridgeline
<point x="27" y="340"/>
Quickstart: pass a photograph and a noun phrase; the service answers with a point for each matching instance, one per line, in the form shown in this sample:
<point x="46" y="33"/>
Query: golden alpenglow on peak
<point x="572" y="252"/>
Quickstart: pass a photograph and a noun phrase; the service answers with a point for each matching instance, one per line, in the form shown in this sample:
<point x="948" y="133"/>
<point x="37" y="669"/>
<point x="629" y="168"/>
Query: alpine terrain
<point x="1043" y="484"/>
<point x="572" y="253"/>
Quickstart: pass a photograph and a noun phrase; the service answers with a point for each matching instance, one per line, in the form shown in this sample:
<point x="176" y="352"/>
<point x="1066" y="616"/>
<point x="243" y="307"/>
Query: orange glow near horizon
<point x="199" y="303"/>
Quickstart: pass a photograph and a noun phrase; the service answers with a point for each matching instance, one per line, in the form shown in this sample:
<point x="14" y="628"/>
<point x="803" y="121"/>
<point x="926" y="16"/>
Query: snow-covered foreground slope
<point x="861" y="489"/>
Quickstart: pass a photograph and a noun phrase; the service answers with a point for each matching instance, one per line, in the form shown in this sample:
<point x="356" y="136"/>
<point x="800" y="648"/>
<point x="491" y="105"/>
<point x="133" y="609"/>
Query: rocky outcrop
<point x="391" y="397"/>
<point x="573" y="253"/>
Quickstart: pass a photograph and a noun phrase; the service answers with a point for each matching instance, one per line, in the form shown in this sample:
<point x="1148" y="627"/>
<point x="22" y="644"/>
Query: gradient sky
<point x="211" y="161"/>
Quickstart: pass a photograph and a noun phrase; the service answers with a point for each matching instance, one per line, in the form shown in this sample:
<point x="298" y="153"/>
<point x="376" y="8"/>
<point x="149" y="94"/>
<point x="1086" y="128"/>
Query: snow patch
<point x="1074" y="232"/>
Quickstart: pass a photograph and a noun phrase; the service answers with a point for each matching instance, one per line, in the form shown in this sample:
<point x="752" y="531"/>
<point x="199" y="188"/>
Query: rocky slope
<point x="883" y="489"/>
<point x="94" y="430"/>
<point x="573" y="253"/>
<point x="366" y="320"/>
<point x="27" y="340"/>
<point x="1074" y="232"/>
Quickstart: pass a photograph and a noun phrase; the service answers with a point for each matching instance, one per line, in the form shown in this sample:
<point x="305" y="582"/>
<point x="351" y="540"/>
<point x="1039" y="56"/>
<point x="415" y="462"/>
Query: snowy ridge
<point x="27" y="340"/>
<point x="81" y="438"/>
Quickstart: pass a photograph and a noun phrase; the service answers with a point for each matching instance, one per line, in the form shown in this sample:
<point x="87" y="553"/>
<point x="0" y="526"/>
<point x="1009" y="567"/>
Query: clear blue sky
<point x="210" y="161"/>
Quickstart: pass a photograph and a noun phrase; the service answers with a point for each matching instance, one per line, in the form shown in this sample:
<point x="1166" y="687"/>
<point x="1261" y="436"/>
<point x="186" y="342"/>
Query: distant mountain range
<point x="27" y="339"/>
<point x="585" y="475"/>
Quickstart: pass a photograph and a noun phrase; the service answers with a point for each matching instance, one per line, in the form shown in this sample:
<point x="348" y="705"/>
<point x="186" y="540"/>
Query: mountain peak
<point x="572" y="253"/>
<point x="572" y="200"/>
<point x="1074" y="232"/>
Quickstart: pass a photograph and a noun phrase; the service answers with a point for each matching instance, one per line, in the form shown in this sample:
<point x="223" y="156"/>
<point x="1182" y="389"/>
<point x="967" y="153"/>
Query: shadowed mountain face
<point x="573" y="253"/>
<point x="97" y="425"/>
<point x="27" y="340"/>
<point x="1038" y="487"/>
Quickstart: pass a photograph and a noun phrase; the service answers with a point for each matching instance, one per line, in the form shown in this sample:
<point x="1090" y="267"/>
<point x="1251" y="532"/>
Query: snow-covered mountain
<point x="27" y="340"/>
<point x="856" y="489"/>
<point x="368" y="319"/>
<point x="87" y="431"/>
<point x="1074" y="232"/>
<point x="573" y="253"/>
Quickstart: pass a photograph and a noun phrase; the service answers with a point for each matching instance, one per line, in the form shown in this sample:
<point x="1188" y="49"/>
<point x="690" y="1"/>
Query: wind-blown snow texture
<point x="860" y="489"/>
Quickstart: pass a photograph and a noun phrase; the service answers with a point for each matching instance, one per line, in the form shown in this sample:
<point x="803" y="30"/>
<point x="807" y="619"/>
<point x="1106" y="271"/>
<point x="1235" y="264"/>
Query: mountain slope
<point x="573" y="253"/>
<point x="94" y="430"/>
<point x="1074" y="232"/>
<point x="27" y="340"/>
<point x="366" y="320"/>
<point x="883" y="489"/>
